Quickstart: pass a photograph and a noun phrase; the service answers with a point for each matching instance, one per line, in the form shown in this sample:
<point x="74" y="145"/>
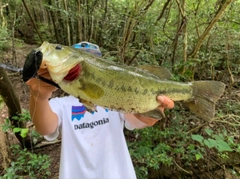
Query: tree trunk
<point x="79" y="22"/>
<point x="182" y="7"/>
<point x="140" y="9"/>
<point x="54" y="22"/>
<point x="33" y="22"/>
<point x="4" y="149"/>
<point x="220" y="11"/>
<point x="61" y="25"/>
<point x="8" y="94"/>
<point x="10" y="97"/>
<point x="68" y="39"/>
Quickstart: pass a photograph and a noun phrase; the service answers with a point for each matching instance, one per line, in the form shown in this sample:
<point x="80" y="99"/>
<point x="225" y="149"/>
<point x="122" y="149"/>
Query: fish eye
<point x="58" y="47"/>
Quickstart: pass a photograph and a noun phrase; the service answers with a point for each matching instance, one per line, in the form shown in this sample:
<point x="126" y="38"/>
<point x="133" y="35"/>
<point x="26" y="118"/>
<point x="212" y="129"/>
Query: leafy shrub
<point x="176" y="147"/>
<point x="23" y="117"/>
<point x="35" y="166"/>
<point x="4" y="38"/>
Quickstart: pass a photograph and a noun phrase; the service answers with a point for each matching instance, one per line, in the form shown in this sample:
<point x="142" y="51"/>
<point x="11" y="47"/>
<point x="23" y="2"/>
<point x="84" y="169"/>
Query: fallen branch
<point x="188" y="172"/>
<point x="47" y="143"/>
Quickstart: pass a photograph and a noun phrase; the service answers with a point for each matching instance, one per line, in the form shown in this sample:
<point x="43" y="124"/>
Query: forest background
<point x="195" y="39"/>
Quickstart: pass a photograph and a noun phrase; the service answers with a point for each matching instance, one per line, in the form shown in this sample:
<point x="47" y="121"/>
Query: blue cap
<point x="88" y="47"/>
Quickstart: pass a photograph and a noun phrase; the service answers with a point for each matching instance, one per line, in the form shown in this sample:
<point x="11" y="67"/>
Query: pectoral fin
<point x="146" y="119"/>
<point x="89" y="106"/>
<point x="92" y="91"/>
<point x="156" y="114"/>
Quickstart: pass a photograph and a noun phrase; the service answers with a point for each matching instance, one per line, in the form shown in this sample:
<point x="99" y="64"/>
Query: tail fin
<point x="205" y="93"/>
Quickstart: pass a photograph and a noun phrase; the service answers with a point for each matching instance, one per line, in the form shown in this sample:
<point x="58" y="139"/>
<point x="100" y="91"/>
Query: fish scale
<point x="119" y="81"/>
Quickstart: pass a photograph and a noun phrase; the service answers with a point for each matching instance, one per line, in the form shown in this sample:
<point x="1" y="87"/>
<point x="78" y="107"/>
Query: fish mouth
<point x="73" y="73"/>
<point x="57" y="59"/>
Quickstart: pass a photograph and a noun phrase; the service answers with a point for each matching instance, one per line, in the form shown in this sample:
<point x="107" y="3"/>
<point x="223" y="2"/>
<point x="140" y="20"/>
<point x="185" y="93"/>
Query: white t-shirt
<point x="93" y="144"/>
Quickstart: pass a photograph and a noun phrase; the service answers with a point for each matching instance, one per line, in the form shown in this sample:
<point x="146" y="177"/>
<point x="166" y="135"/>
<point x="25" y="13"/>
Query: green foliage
<point x="25" y="162"/>
<point x="4" y="38"/>
<point x="232" y="107"/>
<point x="45" y="33"/>
<point x="23" y="117"/>
<point x="35" y="166"/>
<point x="156" y="147"/>
<point x="214" y="141"/>
<point x="140" y="30"/>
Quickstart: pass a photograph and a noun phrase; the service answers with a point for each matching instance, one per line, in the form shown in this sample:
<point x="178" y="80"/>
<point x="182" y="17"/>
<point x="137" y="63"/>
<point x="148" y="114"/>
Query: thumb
<point x="165" y="102"/>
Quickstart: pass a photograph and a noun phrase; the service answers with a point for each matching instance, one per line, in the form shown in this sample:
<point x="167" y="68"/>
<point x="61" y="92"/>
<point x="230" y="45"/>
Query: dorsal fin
<point x="160" y="72"/>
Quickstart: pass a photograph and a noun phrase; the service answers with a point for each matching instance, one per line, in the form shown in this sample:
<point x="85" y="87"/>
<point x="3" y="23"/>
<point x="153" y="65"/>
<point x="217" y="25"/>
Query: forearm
<point x="44" y="119"/>
<point x="138" y="121"/>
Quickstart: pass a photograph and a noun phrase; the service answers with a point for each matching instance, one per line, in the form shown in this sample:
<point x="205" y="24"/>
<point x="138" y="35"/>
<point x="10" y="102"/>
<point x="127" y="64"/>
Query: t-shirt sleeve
<point x="56" y="106"/>
<point x="126" y="123"/>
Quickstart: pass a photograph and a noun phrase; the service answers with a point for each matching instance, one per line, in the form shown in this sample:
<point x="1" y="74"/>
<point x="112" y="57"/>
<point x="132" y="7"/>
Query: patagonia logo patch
<point x="78" y="112"/>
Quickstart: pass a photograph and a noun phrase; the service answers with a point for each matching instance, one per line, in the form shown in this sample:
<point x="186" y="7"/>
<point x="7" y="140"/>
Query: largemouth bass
<point x="123" y="88"/>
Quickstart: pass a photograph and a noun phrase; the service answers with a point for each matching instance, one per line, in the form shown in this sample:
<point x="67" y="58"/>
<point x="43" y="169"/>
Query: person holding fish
<point x="93" y="143"/>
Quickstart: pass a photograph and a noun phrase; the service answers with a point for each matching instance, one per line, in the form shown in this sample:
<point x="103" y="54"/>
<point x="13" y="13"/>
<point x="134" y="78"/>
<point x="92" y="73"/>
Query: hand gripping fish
<point x="118" y="87"/>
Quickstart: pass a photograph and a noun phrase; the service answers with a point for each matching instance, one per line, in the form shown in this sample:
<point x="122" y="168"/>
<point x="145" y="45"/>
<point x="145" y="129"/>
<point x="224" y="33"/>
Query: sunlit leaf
<point x="198" y="156"/>
<point x="210" y="143"/>
<point x="208" y="131"/>
<point x="223" y="146"/>
<point x="16" y="129"/>
<point x="24" y="132"/>
<point x="198" y="138"/>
